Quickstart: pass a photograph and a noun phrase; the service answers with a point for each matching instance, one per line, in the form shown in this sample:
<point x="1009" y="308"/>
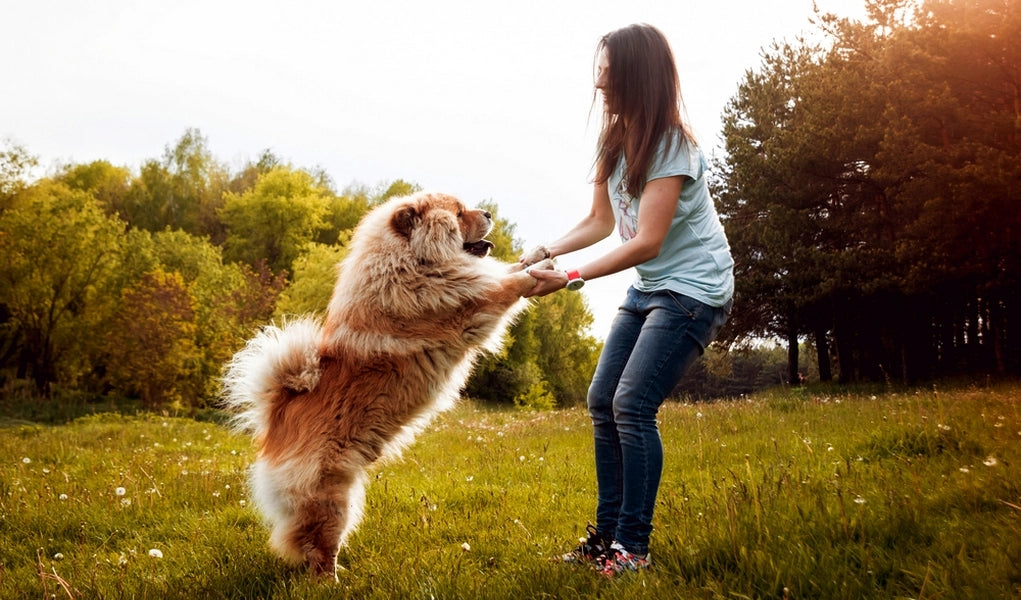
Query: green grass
<point x="792" y="494"/>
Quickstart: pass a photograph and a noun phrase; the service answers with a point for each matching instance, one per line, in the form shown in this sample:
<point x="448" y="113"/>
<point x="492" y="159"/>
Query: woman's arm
<point x="595" y="227"/>
<point x="655" y="214"/>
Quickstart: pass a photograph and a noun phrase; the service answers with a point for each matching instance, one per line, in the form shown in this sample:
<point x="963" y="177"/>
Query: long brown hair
<point x="643" y="103"/>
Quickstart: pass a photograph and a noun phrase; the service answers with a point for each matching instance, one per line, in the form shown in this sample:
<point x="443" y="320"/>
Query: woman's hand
<point x="547" y="281"/>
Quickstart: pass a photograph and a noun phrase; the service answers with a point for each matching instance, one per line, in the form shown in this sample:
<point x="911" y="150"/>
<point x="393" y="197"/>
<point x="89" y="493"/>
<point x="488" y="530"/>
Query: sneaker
<point x="618" y="560"/>
<point x="590" y="550"/>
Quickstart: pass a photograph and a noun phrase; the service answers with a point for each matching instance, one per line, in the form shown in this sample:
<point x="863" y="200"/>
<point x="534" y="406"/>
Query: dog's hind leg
<point x="326" y="519"/>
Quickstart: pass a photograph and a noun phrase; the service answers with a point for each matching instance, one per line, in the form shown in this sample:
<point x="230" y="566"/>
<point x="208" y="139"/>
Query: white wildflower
<point x="62" y="497"/>
<point x="990" y="461"/>
<point x="155" y="553"/>
<point x="466" y="547"/>
<point x="27" y="460"/>
<point x="120" y="491"/>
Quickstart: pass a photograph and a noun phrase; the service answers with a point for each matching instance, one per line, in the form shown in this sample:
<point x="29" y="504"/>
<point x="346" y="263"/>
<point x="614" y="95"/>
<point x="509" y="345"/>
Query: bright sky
<point x="488" y="101"/>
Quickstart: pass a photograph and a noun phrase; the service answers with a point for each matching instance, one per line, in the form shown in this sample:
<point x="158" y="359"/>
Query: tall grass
<point x="791" y="494"/>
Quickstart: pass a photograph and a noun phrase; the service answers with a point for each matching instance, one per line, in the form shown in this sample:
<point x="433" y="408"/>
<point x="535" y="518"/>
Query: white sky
<point x="488" y="101"/>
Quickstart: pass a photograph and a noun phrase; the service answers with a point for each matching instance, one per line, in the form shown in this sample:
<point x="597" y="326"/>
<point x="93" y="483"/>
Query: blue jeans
<point x="654" y="338"/>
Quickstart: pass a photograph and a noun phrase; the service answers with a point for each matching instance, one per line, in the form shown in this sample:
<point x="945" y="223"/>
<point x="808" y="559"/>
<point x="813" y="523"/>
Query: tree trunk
<point x="793" y="375"/>
<point x="822" y="354"/>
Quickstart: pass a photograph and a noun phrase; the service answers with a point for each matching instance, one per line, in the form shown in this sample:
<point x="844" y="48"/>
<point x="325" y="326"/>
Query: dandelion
<point x="120" y="491"/>
<point x="859" y="500"/>
<point x="990" y="461"/>
<point x="466" y="547"/>
<point x="58" y="556"/>
<point x="62" y="497"/>
<point x="27" y="460"/>
<point x="963" y="470"/>
<point x="242" y="503"/>
<point x="521" y="458"/>
<point x="155" y="553"/>
<point x="470" y="478"/>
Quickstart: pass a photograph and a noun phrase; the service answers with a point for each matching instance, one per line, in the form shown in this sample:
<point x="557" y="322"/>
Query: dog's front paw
<point x="534" y="255"/>
<point x="544" y="264"/>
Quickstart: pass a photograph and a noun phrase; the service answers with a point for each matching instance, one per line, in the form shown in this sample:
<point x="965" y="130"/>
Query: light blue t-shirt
<point x="695" y="258"/>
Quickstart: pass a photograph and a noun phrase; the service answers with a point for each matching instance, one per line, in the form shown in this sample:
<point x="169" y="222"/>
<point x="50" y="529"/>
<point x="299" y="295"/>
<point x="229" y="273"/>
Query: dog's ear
<point x="403" y="220"/>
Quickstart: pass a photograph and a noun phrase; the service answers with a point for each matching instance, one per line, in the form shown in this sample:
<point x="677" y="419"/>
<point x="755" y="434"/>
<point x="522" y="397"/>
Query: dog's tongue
<point x="479" y="248"/>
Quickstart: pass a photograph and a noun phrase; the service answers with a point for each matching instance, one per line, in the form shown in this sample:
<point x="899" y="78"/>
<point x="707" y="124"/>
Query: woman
<point x="650" y="186"/>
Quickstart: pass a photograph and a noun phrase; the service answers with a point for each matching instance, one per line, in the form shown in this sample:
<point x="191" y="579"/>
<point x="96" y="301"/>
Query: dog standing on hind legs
<point x="416" y="300"/>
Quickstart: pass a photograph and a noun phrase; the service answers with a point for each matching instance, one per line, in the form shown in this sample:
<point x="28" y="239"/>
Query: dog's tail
<point x="277" y="360"/>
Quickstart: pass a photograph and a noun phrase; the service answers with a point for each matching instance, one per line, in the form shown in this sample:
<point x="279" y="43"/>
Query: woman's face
<point x="603" y="74"/>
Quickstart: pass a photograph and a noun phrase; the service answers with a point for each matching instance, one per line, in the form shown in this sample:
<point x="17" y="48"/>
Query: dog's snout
<point x="488" y="214"/>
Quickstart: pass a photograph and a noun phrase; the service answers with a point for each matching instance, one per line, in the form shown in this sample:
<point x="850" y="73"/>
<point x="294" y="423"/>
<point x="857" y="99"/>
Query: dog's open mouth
<point x="479" y="248"/>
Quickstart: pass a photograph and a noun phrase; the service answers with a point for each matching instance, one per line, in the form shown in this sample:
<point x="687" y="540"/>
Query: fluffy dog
<point x="416" y="300"/>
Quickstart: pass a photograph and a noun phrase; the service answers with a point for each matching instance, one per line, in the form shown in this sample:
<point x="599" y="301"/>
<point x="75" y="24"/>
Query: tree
<point x="106" y="183"/>
<point x="151" y="342"/>
<point x="870" y="190"/>
<point x="60" y="255"/>
<point x="183" y="191"/>
<point x="548" y="350"/>
<point x="276" y="219"/>
<point x="230" y="301"/>
<point x="15" y="164"/>
<point x="315" y="273"/>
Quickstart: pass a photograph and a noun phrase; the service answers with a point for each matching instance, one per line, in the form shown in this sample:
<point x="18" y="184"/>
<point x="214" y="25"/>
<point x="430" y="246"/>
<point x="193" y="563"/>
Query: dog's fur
<point x="413" y="306"/>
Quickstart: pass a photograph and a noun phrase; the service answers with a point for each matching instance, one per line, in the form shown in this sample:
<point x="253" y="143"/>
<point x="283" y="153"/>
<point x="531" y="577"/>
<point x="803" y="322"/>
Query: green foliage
<point x="183" y="191"/>
<point x="60" y="256"/>
<point x="276" y="219"/>
<point x="116" y="282"/>
<point x="548" y="353"/>
<point x="151" y="349"/>
<point x="315" y="273"/>
<point x="108" y="184"/>
<point x="796" y="494"/>
<point x="537" y="397"/>
<point x="869" y="191"/>
<point x="15" y="164"/>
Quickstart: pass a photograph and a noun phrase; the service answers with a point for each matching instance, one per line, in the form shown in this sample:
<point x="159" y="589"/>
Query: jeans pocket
<point x="685" y="304"/>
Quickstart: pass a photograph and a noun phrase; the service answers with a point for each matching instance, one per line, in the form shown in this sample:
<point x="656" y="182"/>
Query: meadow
<point x="803" y="493"/>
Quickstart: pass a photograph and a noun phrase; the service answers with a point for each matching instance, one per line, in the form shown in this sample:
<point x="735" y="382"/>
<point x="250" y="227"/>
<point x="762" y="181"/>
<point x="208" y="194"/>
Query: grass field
<point x="811" y="493"/>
